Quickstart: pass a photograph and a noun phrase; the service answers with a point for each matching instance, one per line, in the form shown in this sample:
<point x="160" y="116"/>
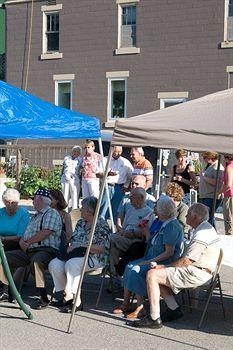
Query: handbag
<point x="78" y="252"/>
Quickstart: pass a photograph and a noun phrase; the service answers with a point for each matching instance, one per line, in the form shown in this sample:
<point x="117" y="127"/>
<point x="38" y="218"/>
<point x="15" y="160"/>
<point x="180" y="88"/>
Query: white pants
<point x="71" y="189"/>
<point x="66" y="275"/>
<point x="90" y="187"/>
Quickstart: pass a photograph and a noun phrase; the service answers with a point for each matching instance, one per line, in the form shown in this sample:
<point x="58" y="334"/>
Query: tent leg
<point x="91" y="235"/>
<point x="106" y="189"/>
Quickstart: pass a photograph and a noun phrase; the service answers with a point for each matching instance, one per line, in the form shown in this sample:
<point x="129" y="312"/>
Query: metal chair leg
<point x="221" y="297"/>
<point x="101" y="289"/>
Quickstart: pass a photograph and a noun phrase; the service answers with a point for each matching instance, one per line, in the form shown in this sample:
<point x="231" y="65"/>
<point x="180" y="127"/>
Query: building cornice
<point x="13" y="2"/>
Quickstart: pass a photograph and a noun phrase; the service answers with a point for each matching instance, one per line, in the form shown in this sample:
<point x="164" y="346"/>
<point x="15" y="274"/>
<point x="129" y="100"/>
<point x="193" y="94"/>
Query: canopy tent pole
<point x="106" y="188"/>
<point x="215" y="190"/>
<point x="159" y="168"/>
<point x="91" y="235"/>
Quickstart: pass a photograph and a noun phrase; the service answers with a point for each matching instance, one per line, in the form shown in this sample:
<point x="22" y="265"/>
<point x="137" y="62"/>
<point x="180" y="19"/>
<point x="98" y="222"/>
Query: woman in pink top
<point x="227" y="190"/>
<point x="89" y="168"/>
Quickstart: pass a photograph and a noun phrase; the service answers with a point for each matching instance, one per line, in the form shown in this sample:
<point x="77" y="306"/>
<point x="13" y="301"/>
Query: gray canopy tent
<point x="202" y="124"/>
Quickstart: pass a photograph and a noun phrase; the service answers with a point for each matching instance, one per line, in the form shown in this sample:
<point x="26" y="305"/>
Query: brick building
<point x="120" y="58"/>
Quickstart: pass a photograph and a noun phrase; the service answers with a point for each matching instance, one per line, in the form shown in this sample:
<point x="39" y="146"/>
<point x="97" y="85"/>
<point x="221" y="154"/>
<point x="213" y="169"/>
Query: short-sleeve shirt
<point x="170" y="233"/>
<point x="134" y="216"/>
<point x="101" y="237"/>
<point x="71" y="167"/>
<point x="46" y="219"/>
<point x="13" y="225"/>
<point x="204" y="247"/>
<point x="125" y="203"/>
<point x="206" y="190"/>
<point x="91" y="166"/>
<point x="143" y="167"/>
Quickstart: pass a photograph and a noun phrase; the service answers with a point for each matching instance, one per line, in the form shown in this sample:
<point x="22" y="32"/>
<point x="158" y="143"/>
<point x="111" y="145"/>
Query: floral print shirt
<point x="101" y="237"/>
<point x="91" y="166"/>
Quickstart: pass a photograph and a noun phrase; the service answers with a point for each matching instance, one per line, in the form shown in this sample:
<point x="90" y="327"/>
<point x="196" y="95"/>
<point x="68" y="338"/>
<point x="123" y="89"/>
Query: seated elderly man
<point x="137" y="181"/>
<point x="39" y="244"/>
<point x="130" y="231"/>
<point x="192" y="270"/>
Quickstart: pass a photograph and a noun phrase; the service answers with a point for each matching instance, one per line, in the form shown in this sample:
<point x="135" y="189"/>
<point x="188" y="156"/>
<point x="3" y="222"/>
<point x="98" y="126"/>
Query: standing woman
<point x="208" y="180"/>
<point x="183" y="173"/>
<point x="70" y="180"/>
<point x="227" y="190"/>
<point x="90" y="167"/>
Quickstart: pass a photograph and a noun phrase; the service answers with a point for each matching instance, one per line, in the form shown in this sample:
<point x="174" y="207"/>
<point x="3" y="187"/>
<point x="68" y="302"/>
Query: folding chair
<point x="75" y="215"/>
<point x="215" y="284"/>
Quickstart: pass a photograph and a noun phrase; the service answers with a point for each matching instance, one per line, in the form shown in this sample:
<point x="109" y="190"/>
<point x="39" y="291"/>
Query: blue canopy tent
<point x="25" y="116"/>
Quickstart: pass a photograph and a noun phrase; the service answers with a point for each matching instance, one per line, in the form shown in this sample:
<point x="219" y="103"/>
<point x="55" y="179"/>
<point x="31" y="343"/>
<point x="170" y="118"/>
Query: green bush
<point x="33" y="178"/>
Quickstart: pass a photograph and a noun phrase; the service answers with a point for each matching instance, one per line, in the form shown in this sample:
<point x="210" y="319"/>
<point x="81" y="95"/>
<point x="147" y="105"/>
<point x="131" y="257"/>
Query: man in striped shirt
<point x="141" y="165"/>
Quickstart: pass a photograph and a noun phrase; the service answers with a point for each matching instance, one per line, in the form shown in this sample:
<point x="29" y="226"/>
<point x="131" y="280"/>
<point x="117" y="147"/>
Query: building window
<point x="229" y="36"/>
<point x="117" y="92"/>
<point x="168" y="102"/>
<point x="63" y="94"/>
<point x="127" y="27"/>
<point x="52" y="32"/>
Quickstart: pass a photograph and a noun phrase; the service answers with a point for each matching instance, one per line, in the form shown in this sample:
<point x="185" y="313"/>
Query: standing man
<point x="118" y="180"/>
<point x="192" y="270"/>
<point x="70" y="180"/>
<point x="39" y="245"/>
<point x="142" y="166"/>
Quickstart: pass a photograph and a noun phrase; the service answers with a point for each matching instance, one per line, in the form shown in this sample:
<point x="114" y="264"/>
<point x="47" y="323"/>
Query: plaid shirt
<point x="46" y="219"/>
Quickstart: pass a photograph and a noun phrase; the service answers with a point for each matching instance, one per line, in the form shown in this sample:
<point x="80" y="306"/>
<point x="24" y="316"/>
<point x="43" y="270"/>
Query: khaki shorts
<point x="187" y="277"/>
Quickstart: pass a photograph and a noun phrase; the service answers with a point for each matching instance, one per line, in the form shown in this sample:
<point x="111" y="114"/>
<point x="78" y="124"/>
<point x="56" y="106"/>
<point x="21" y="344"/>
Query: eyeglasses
<point x="135" y="183"/>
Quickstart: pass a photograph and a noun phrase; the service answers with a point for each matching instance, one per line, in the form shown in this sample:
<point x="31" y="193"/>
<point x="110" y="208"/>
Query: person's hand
<point x="23" y="245"/>
<point x="157" y="267"/>
<point x="112" y="173"/>
<point x="179" y="178"/>
<point x="70" y="248"/>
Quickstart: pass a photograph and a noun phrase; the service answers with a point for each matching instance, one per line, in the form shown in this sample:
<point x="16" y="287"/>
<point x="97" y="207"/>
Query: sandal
<point x="139" y="312"/>
<point x="121" y="309"/>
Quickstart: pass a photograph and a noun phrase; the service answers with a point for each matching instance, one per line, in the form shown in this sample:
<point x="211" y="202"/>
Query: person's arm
<point x="23" y="223"/>
<point x="38" y="237"/>
<point x="182" y="262"/>
<point x="169" y="251"/>
<point x="192" y="175"/>
<point x="149" y="181"/>
<point x="10" y="238"/>
<point x="68" y="226"/>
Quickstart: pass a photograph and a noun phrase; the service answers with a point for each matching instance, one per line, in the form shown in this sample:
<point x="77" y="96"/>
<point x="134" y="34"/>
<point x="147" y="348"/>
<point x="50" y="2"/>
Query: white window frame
<point x="226" y="44"/>
<point x="57" y="82"/>
<point x="47" y="10"/>
<point x="164" y="100"/>
<point x="125" y="50"/>
<point x="109" y="109"/>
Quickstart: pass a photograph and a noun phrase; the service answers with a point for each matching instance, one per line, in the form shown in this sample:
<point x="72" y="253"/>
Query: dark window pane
<point x="128" y="15"/>
<point x="118" y="99"/>
<point x="64" y="95"/>
<point x="53" y="42"/>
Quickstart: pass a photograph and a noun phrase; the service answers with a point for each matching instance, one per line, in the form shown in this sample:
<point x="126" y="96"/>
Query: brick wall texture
<point x="179" y="42"/>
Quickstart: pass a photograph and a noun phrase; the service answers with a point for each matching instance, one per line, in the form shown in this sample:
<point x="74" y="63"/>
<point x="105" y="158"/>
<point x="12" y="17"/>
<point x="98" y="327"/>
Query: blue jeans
<point x="104" y="212"/>
<point x="209" y="203"/>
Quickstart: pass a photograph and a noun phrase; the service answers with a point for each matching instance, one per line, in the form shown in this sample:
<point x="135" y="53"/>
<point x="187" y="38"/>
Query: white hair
<point x="166" y="206"/>
<point x="46" y="200"/>
<point x="139" y="191"/>
<point x="139" y="150"/>
<point x="77" y="148"/>
<point x="200" y="210"/>
<point x="11" y="194"/>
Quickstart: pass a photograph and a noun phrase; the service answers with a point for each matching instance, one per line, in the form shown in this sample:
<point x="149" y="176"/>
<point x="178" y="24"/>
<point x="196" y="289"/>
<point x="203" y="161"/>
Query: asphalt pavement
<point x="97" y="328"/>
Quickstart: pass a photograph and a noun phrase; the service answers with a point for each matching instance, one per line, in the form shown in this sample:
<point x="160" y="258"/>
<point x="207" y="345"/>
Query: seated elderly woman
<point x="66" y="274"/>
<point x="13" y="219"/>
<point x="164" y="246"/>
